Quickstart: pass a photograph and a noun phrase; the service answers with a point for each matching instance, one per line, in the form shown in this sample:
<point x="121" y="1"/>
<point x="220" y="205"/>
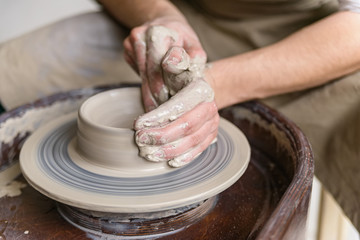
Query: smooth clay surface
<point x="92" y="162"/>
<point x="105" y="136"/>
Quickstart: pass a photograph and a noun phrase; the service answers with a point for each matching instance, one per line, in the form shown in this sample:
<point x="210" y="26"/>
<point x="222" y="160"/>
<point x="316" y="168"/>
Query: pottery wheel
<point x="51" y="165"/>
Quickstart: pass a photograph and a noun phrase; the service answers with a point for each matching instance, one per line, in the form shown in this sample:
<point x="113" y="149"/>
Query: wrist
<point x="229" y="88"/>
<point x="209" y="77"/>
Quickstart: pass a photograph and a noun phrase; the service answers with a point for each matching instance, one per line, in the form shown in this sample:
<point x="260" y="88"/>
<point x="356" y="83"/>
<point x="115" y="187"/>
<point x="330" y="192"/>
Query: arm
<point x="133" y="13"/>
<point x="310" y="57"/>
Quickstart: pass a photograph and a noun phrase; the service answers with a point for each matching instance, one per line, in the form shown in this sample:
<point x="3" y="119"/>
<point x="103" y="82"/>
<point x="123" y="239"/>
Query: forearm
<point x="313" y="56"/>
<point x="133" y="13"/>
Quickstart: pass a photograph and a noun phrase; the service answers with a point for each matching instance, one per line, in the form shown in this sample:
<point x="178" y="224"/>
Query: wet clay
<point x="186" y="99"/>
<point x="8" y="187"/>
<point x="157" y="39"/>
<point x="183" y="78"/>
<point x="12" y="189"/>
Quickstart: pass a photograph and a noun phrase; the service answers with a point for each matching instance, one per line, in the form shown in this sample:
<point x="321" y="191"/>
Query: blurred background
<point x="21" y="16"/>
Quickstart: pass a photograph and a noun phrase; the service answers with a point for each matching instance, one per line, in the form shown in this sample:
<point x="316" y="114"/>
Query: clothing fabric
<point x="350" y="5"/>
<point x="239" y="8"/>
<point x="329" y="115"/>
<point x="77" y="52"/>
<point x="86" y="50"/>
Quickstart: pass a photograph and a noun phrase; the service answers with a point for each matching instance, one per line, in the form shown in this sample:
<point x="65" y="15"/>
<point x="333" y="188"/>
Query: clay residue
<point x="180" y="69"/>
<point x="158" y="39"/>
<point x="20" y="126"/>
<point x="12" y="189"/>
<point x="187" y="99"/>
<point x="8" y="187"/>
<point x="34" y="118"/>
<point x="184" y="78"/>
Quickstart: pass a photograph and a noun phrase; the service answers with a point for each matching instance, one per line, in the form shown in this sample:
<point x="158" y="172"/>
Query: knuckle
<point x="135" y="34"/>
<point x="196" y="139"/>
<point x="217" y="119"/>
<point x="214" y="134"/>
<point x="213" y="107"/>
<point x="187" y="127"/>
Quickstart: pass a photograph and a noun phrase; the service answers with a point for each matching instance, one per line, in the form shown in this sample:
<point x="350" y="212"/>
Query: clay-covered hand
<point x="146" y="47"/>
<point x="181" y="128"/>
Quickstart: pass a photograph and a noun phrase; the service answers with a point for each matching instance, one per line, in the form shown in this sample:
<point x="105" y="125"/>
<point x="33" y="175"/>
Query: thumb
<point x="186" y="99"/>
<point x="176" y="69"/>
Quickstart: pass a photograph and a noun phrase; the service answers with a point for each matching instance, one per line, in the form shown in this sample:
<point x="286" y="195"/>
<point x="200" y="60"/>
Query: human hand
<point x="181" y="128"/>
<point x="146" y="47"/>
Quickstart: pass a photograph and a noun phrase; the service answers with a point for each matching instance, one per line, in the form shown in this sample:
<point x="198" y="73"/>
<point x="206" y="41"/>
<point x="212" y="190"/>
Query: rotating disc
<point x="49" y="167"/>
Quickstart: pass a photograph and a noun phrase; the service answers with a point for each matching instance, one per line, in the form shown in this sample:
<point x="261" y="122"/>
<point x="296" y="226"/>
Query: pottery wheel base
<point x="137" y="224"/>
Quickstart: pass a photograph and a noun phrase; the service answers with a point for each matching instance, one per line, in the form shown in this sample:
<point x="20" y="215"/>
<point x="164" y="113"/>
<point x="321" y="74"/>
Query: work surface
<point x="269" y="201"/>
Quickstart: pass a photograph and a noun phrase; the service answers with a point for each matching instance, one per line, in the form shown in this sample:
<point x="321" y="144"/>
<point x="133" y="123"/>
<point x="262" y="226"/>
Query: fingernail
<point x="180" y="160"/>
<point x="148" y="138"/>
<point x="159" y="153"/>
<point x="143" y="139"/>
<point x="154" y="154"/>
<point x="144" y="124"/>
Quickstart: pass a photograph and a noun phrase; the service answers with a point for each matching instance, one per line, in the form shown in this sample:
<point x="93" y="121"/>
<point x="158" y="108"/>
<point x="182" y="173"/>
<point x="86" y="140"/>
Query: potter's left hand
<point x="181" y="128"/>
<point x="146" y="47"/>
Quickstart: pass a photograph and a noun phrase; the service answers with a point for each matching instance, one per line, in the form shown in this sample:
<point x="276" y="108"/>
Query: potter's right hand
<point x="185" y="125"/>
<point x="181" y="128"/>
<point x="146" y="47"/>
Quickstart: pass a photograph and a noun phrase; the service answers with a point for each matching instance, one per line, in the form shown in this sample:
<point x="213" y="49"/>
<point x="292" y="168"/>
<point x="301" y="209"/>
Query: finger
<point x="138" y="46"/>
<point x="195" y="51"/>
<point x="131" y="61"/>
<point x="187" y="124"/>
<point x="156" y="82"/>
<point x="173" y="150"/>
<point x="186" y="99"/>
<point x="193" y="153"/>
<point x="129" y="54"/>
<point x="128" y="48"/>
<point x="158" y="39"/>
<point x="176" y="60"/>
<point x="178" y="148"/>
<point x="147" y="97"/>
<point x="198" y="57"/>
<point x="175" y="67"/>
